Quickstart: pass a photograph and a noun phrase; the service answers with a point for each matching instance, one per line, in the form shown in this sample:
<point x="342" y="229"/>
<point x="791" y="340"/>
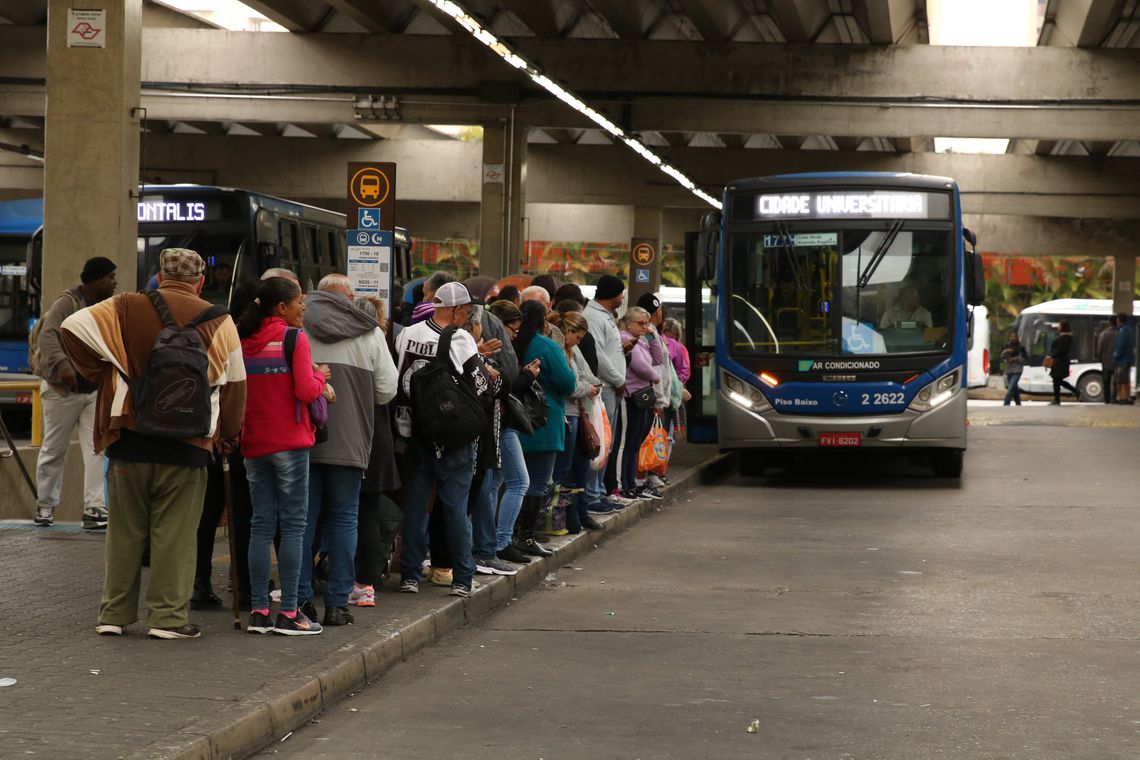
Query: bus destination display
<point x="847" y="204"/>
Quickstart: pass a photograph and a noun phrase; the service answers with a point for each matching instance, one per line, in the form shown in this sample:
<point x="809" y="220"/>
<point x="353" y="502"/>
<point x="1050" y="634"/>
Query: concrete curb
<point x="257" y="721"/>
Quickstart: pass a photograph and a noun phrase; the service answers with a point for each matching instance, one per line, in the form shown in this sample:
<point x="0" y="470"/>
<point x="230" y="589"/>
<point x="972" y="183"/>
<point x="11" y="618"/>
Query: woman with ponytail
<point x="276" y="437"/>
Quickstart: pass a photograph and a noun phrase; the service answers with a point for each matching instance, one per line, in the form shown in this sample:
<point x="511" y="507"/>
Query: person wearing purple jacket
<point x="640" y="377"/>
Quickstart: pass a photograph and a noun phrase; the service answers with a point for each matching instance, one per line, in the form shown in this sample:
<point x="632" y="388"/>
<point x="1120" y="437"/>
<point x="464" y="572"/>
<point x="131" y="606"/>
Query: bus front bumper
<point x="941" y="427"/>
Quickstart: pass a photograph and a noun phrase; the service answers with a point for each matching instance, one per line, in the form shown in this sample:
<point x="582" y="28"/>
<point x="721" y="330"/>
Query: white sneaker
<point x="654" y="480"/>
<point x="617" y="497"/>
<point x="362" y="596"/>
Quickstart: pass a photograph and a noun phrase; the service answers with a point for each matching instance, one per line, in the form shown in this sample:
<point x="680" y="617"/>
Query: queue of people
<point x="321" y="411"/>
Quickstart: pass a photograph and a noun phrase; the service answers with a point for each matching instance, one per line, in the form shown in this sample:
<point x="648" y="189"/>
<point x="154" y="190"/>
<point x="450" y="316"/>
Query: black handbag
<point x="644" y="399"/>
<point x="515" y="415"/>
<point x="534" y="400"/>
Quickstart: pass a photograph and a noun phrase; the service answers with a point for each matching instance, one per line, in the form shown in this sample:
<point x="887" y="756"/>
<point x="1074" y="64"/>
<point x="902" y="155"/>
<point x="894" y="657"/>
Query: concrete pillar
<point x="1123" y="283"/>
<point x="91" y="146"/>
<point x="501" y="220"/>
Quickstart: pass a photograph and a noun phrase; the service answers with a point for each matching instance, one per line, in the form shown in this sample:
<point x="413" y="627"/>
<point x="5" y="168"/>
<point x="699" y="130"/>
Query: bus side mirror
<point x="975" y="271"/>
<point x="707" y="244"/>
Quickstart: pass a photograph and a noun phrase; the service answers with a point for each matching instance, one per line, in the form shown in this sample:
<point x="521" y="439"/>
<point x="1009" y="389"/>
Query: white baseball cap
<point x="452" y="294"/>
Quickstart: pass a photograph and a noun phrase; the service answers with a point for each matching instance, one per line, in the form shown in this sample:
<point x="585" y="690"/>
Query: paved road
<point x="873" y="612"/>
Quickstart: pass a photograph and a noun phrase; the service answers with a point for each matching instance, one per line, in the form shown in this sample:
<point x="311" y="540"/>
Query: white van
<point x="1037" y="327"/>
<point x="978" y="357"/>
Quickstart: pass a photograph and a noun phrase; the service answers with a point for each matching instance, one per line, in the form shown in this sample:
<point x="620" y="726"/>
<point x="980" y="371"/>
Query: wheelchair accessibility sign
<point x="368" y="219"/>
<point x="858" y="338"/>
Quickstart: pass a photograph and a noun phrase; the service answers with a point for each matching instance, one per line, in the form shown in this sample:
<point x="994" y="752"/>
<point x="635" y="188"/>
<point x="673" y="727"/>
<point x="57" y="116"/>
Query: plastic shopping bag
<point x="601" y="422"/>
<point x="653" y="456"/>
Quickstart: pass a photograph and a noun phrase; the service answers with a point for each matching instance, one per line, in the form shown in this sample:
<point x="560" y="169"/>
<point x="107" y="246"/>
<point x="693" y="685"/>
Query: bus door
<point x="700" y="339"/>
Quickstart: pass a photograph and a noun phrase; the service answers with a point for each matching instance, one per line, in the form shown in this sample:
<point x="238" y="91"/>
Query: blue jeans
<point x="334" y="495"/>
<point x="539" y="465"/>
<point x="517" y="481"/>
<point x="279" y="496"/>
<point x="1012" y="391"/>
<point x="451" y="478"/>
<point x="595" y="479"/>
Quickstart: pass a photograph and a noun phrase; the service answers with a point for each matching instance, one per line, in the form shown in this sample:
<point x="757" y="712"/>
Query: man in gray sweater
<point x="69" y="399"/>
<point x="363" y="375"/>
<point x="599" y="313"/>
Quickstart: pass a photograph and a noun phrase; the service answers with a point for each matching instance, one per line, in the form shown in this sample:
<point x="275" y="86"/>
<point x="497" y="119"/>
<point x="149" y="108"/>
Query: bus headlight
<point x="937" y="393"/>
<point x="742" y="394"/>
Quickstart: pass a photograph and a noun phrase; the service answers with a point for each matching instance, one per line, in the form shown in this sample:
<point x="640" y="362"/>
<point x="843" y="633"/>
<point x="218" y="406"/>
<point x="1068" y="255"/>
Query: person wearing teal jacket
<point x="541" y="449"/>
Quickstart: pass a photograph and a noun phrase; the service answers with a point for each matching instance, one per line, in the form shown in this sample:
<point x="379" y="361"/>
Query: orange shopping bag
<point x="653" y="456"/>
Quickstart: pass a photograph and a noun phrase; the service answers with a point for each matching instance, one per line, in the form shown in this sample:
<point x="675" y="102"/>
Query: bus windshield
<point x="841" y="290"/>
<point x="219" y="251"/>
<point x="13" y="288"/>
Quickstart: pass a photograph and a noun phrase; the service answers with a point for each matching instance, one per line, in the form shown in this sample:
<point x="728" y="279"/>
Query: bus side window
<point x="287" y="234"/>
<point x="331" y="240"/>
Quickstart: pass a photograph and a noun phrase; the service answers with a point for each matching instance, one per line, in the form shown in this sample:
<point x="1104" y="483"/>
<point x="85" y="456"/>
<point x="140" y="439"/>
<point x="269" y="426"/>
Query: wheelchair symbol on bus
<point x="858" y="338"/>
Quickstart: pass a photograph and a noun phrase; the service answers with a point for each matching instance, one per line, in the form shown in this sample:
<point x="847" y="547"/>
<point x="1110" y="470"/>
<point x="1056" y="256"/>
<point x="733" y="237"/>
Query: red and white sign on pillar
<point x="86" y="28"/>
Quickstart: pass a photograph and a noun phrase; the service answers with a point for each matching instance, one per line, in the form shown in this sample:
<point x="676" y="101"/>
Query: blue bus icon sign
<point x="362" y="238"/>
<point x="368" y="219"/>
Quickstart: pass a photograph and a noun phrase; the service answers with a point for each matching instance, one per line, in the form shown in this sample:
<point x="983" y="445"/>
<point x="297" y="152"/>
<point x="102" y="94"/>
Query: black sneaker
<point x="204" y="597"/>
<point x="494" y="566"/>
<point x="534" y="549"/>
<point x="410" y="586"/>
<point x="95" y="519"/>
<point x="512" y="554"/>
<point x="590" y="523"/>
<point x="259" y="622"/>
<point x="648" y="492"/>
<point x="338" y="616"/>
<point x="188" y="631"/>
<point x="309" y="610"/>
<point x="299" y="625"/>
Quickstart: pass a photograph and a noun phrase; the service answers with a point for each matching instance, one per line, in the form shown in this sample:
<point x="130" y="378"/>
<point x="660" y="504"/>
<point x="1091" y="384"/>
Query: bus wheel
<point x="947" y="463"/>
<point x="1091" y="387"/>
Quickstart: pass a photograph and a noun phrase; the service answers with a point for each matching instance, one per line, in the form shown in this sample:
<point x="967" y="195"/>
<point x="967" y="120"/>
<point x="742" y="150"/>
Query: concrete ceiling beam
<point x="880" y="75"/>
<point x="294" y="15"/>
<point x="886" y="22"/>
<point x="1084" y="23"/>
<point x="540" y="18"/>
<point x="714" y="19"/>
<point x="799" y="20"/>
<point x="375" y="16"/>
<point x="623" y="16"/>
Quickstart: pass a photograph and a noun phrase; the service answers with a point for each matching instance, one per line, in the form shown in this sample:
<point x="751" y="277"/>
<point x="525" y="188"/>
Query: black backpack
<point x="172" y="398"/>
<point x="446" y="413"/>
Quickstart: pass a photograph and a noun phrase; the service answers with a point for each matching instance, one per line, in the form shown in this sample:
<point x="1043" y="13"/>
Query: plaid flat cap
<point x="180" y="263"/>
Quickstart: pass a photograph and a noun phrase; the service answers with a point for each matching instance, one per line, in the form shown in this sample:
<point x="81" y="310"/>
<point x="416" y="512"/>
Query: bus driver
<point x="907" y="311"/>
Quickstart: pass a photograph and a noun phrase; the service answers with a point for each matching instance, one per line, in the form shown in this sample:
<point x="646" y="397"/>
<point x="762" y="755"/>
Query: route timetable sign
<point x="371" y="206"/>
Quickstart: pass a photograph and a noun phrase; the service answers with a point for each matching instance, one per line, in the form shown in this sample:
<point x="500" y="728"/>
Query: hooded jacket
<point x="363" y="375"/>
<point x="278" y="396"/>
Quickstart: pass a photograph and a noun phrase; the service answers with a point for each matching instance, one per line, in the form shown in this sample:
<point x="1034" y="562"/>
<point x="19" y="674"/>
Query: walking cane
<point x="15" y="454"/>
<point x="230" y="534"/>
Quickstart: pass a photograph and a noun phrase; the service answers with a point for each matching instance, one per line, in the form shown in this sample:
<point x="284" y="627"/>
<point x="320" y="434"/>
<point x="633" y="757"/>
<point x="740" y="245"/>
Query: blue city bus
<point x="841" y="305"/>
<point x="19" y="222"/>
<point x="239" y="233"/>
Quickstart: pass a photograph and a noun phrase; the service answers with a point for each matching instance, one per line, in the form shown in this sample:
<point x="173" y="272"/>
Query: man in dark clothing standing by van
<point x="1060" y="355"/>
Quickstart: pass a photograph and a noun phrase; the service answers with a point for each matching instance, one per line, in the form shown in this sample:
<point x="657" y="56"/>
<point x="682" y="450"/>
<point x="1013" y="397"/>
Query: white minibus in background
<point x="978" y="355"/>
<point x="1036" y="326"/>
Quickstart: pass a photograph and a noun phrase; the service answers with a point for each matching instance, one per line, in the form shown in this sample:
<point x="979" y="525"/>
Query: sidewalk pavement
<point x="78" y="695"/>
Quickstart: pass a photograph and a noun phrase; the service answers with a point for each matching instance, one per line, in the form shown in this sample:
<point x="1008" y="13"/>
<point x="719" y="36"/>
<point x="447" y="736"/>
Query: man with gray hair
<point x="272" y="272"/>
<point x="542" y="295"/>
<point x="352" y="344"/>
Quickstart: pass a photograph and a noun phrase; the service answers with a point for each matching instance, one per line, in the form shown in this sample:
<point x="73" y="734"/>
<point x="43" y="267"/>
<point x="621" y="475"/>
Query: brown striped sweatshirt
<point x="120" y="332"/>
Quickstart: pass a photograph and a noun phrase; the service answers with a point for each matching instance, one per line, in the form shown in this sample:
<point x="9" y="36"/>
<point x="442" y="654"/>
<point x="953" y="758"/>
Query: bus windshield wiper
<point x="880" y="254"/>
<point x="786" y="245"/>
